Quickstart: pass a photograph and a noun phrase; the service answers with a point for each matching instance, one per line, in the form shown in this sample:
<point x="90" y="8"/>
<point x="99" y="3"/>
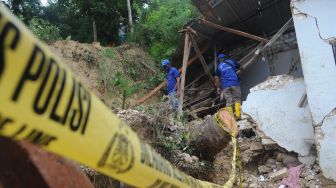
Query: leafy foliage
<point x="27" y="8"/>
<point x="118" y="81"/>
<point x="44" y="30"/>
<point x="158" y="25"/>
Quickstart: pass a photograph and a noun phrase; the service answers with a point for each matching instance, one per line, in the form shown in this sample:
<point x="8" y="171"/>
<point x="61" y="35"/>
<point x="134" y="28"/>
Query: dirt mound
<point x="111" y="73"/>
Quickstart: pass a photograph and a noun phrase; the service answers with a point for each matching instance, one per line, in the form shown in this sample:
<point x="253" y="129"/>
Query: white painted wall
<point x="275" y="109"/>
<point x="315" y="27"/>
<point x="317" y="57"/>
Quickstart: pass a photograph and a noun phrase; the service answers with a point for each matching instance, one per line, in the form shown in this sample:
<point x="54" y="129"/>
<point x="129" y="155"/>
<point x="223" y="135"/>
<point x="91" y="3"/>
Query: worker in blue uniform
<point x="173" y="84"/>
<point x="228" y="84"/>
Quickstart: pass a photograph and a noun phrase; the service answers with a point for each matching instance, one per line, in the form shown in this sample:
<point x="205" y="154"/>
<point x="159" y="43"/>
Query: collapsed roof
<point x="262" y="18"/>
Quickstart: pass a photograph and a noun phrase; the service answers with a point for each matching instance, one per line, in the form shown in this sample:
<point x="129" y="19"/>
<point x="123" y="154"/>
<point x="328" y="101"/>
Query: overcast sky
<point x="44" y="2"/>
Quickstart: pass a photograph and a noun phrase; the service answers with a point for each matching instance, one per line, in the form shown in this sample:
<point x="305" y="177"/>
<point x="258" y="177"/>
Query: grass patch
<point x="109" y="53"/>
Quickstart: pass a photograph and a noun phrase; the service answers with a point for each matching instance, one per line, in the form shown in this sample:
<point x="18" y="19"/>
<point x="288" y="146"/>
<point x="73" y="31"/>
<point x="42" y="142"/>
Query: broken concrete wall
<point x="260" y="71"/>
<point x="315" y="29"/>
<point x="284" y="61"/>
<point x="273" y="104"/>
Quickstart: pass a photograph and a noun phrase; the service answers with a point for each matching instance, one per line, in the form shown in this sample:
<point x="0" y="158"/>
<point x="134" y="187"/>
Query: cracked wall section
<point x="273" y="104"/>
<point x="313" y="21"/>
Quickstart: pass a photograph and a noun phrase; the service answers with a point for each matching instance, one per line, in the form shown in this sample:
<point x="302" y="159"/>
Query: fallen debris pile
<point x="266" y="164"/>
<point x="140" y="122"/>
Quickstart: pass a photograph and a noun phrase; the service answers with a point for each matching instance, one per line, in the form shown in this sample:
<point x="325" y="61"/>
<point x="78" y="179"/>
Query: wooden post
<point x="124" y="100"/>
<point x="186" y="54"/>
<point x="215" y="58"/>
<point x="234" y="31"/>
<point x="200" y="56"/>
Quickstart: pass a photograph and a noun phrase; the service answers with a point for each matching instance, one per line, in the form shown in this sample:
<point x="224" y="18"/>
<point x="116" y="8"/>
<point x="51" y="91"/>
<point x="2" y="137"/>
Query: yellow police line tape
<point x="226" y="122"/>
<point x="41" y="101"/>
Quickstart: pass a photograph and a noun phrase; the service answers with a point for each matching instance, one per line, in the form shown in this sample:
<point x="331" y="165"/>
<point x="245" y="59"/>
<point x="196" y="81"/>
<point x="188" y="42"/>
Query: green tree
<point x="28" y="9"/>
<point x="44" y="30"/>
<point x="159" y="23"/>
<point x="105" y="15"/>
<point x="67" y="16"/>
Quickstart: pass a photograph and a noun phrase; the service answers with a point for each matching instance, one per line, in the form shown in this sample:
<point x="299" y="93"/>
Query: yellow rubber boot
<point x="229" y="109"/>
<point x="237" y="110"/>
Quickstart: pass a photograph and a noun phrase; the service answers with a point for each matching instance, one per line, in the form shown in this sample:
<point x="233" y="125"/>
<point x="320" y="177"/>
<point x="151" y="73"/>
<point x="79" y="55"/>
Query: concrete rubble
<point x="268" y="165"/>
<point x="265" y="163"/>
<point x="273" y="104"/>
<point x="140" y="122"/>
<point x="286" y="132"/>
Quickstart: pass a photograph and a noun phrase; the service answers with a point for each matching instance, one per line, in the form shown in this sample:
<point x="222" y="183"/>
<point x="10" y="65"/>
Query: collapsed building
<point x="287" y="50"/>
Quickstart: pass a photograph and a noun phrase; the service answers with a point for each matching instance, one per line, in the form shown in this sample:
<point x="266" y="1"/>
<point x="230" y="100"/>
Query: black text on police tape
<point x="77" y="111"/>
<point x="23" y="131"/>
<point x="12" y="42"/>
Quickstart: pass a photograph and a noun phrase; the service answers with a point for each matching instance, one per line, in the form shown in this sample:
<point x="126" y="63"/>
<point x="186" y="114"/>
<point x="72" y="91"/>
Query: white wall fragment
<point x="274" y="106"/>
<point x="315" y="30"/>
<point x="317" y="58"/>
<point x="328" y="148"/>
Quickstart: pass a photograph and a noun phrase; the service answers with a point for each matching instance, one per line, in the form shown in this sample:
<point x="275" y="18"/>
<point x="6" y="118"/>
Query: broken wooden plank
<point x="215" y="58"/>
<point x="151" y="93"/>
<point x="196" y="80"/>
<point x="268" y="142"/>
<point x="155" y="90"/>
<point x="261" y="48"/>
<point x="279" y="33"/>
<point x="302" y="102"/>
<point x="233" y="31"/>
<point x="278" y="175"/>
<point x="197" y="33"/>
<point x="206" y="102"/>
<point x="203" y="62"/>
<point x="187" y="47"/>
<point x="201" y="98"/>
<point x="205" y="110"/>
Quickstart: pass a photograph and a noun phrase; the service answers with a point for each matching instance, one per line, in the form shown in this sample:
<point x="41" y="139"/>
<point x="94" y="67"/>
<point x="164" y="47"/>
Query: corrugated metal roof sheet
<point x="259" y="17"/>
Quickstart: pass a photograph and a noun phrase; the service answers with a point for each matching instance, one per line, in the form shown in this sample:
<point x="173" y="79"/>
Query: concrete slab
<point x="315" y="35"/>
<point x="274" y="106"/>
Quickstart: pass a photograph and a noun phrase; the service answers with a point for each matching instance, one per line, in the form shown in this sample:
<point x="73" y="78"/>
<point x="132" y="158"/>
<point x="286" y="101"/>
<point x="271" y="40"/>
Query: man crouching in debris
<point x="173" y="84"/>
<point x="230" y="91"/>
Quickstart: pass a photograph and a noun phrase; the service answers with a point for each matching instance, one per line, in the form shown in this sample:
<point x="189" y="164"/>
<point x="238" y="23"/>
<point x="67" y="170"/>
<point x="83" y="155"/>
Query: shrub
<point x="44" y="30"/>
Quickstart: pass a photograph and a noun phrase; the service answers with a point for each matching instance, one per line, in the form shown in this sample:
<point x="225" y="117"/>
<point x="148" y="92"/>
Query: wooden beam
<point x="262" y="47"/>
<point x="207" y="109"/>
<point x="155" y="90"/>
<point x="151" y="93"/>
<point x="197" y="33"/>
<point x="233" y="31"/>
<point x="200" y="56"/>
<point x="215" y="58"/>
<point x="199" y="99"/>
<point x="186" y="53"/>
<point x="279" y="33"/>
<point x="196" y="79"/>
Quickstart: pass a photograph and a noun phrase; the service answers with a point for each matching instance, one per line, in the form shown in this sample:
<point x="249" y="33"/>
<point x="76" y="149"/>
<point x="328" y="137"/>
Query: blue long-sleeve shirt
<point x="171" y="77"/>
<point x="226" y="70"/>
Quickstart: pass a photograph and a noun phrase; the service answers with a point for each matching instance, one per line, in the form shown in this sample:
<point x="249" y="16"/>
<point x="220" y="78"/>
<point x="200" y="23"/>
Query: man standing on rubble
<point x="230" y="84"/>
<point x="173" y="84"/>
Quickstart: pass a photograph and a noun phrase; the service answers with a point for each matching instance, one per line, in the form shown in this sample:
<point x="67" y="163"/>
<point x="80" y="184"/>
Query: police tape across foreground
<point x="42" y="102"/>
